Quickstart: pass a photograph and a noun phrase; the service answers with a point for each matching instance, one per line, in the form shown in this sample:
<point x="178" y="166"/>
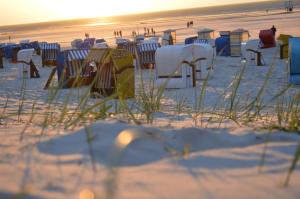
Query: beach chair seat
<point x="294" y="61"/>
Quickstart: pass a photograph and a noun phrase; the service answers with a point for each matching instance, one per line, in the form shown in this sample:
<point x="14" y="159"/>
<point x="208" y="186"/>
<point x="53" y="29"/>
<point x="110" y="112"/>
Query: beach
<point x="52" y="149"/>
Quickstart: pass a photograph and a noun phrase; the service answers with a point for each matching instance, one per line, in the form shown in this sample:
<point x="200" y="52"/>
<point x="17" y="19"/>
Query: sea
<point x="66" y="31"/>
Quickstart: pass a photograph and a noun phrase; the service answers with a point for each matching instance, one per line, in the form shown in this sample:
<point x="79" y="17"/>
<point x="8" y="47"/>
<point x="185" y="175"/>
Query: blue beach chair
<point x="294" y="61"/>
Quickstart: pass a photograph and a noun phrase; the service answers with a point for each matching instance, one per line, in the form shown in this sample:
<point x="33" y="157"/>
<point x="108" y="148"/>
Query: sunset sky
<point x="27" y="11"/>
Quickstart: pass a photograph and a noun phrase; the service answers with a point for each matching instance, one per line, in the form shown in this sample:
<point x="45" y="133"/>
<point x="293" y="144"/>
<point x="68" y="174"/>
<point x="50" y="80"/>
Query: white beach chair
<point x="24" y="57"/>
<point x="179" y="66"/>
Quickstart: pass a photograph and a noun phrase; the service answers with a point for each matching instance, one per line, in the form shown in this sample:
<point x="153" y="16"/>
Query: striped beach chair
<point x="146" y="54"/>
<point x="71" y="71"/>
<point x="130" y="46"/>
<point x="49" y="53"/>
<point x="115" y="72"/>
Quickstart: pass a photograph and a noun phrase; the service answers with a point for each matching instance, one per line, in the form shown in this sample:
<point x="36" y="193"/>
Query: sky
<point x="29" y="11"/>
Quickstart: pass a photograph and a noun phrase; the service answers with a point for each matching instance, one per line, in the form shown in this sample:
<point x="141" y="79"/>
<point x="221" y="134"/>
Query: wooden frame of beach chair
<point x="294" y="69"/>
<point x="71" y="71"/>
<point x="49" y="53"/>
<point x="115" y="72"/>
<point x="146" y="54"/>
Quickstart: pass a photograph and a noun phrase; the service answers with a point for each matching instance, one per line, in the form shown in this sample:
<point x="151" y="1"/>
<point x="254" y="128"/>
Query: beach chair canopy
<point x="26" y="55"/>
<point x="49" y="46"/>
<point x="148" y="47"/>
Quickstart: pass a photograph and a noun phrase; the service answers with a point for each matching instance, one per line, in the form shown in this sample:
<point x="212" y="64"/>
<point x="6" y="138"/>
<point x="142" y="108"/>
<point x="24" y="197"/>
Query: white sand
<point x="218" y="163"/>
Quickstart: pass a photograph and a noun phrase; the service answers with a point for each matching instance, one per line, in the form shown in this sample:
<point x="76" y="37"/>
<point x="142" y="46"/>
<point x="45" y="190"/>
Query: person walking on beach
<point x="274" y="30"/>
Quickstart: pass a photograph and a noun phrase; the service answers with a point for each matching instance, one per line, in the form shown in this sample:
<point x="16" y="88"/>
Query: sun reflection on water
<point x="86" y="194"/>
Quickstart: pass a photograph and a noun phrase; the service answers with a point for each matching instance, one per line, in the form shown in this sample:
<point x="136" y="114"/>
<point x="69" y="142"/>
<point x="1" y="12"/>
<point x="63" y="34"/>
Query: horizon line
<point x="132" y="14"/>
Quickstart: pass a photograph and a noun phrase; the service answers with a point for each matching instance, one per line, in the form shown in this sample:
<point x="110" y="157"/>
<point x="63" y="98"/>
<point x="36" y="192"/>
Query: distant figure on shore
<point x="289" y="6"/>
<point x="274" y="30"/>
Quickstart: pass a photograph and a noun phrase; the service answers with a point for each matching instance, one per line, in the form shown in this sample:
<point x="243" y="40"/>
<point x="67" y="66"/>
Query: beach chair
<point x="223" y="46"/>
<point x="169" y="37"/>
<point x="179" y="66"/>
<point x="49" y="53"/>
<point x="1" y="55"/>
<point x="146" y="54"/>
<point x="237" y="37"/>
<point x="267" y="39"/>
<point x="294" y="61"/>
<point x="284" y="45"/>
<point x="26" y="66"/>
<point x="71" y="72"/>
<point x="206" y="33"/>
<point x="88" y="43"/>
<point x="190" y="40"/>
<point x="15" y="50"/>
<point x="76" y="43"/>
<point x="130" y="46"/>
<point x="251" y="53"/>
<point x="115" y="72"/>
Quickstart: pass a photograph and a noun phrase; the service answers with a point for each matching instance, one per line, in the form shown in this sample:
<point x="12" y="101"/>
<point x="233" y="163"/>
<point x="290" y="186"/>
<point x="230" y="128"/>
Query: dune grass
<point x="281" y="112"/>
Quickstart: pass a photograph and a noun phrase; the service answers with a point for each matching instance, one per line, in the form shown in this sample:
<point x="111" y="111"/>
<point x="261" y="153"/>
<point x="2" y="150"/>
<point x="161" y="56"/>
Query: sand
<point x="172" y="158"/>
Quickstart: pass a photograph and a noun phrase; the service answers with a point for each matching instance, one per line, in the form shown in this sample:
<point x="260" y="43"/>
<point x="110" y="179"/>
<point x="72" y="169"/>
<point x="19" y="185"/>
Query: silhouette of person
<point x="274" y="30"/>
